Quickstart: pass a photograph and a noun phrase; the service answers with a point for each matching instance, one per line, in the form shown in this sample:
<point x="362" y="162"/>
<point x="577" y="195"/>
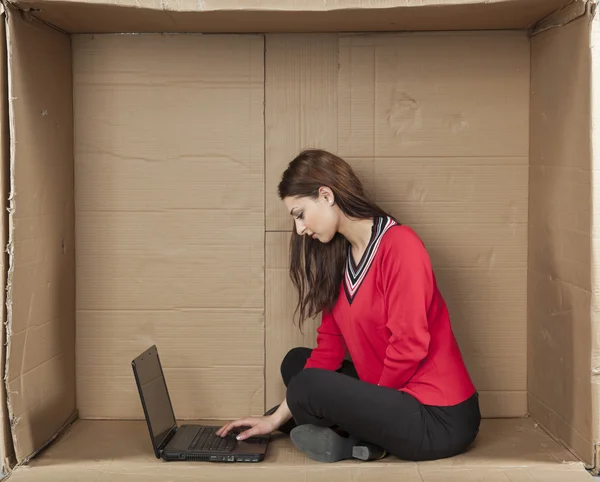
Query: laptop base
<point x="189" y="443"/>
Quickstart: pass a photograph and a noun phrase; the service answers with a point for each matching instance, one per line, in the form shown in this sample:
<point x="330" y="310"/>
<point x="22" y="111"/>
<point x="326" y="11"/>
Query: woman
<point x="407" y="392"/>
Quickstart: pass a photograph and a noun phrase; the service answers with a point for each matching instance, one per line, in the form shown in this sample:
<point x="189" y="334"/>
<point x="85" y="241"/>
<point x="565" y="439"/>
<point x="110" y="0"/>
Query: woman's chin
<point x="321" y="238"/>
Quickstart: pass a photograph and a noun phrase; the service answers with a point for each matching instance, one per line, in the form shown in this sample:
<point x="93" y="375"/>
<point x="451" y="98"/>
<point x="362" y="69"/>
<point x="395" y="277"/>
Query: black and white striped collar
<point x="356" y="273"/>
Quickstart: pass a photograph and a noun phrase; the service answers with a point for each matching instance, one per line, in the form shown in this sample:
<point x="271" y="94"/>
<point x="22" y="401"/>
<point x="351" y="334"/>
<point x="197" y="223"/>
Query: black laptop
<point x="186" y="442"/>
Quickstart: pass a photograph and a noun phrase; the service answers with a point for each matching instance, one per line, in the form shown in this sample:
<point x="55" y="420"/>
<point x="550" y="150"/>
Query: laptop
<point x="185" y="442"/>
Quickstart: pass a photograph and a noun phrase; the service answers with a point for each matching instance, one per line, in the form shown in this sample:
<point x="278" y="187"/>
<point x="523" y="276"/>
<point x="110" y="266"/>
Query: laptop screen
<point x="154" y="396"/>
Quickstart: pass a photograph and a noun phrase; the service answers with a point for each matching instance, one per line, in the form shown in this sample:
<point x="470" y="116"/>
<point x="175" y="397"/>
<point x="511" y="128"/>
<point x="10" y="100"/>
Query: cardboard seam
<point x="555" y="437"/>
<point x="561" y="442"/>
<point x="265" y="269"/>
<point x="63" y="430"/>
<point x="563" y="16"/>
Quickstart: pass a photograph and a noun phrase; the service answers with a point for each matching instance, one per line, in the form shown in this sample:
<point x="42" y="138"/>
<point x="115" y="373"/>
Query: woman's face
<point x="317" y="218"/>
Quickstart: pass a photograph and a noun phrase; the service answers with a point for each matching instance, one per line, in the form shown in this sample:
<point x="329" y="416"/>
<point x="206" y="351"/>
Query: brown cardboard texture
<point x="142" y="147"/>
<point x="509" y="449"/>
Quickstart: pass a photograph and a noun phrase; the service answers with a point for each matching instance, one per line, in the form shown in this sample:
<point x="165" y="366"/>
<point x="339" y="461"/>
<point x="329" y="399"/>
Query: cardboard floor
<point x="507" y="450"/>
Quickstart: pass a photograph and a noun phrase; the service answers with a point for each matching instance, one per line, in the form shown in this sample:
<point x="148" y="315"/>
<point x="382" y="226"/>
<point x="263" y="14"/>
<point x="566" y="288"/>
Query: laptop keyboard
<point x="206" y="439"/>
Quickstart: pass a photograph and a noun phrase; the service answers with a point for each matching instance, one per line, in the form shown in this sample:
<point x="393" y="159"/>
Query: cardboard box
<point x="143" y="141"/>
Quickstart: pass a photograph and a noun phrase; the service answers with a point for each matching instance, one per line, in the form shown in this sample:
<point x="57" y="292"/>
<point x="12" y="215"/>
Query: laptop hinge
<point x="167" y="439"/>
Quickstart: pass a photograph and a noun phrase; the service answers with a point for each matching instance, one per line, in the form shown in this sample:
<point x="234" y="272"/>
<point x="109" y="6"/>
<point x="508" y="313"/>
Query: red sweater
<point x="393" y="321"/>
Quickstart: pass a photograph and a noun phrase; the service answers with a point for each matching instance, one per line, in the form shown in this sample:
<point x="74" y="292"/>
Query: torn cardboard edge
<point x="10" y="228"/>
<point x="7" y="459"/>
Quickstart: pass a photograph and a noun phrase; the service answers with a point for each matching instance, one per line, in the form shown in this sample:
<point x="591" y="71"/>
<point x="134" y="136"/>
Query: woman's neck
<point x="357" y="232"/>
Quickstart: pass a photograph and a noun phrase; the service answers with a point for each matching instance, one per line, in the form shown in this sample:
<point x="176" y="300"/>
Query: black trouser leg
<point x="388" y="418"/>
<point x="292" y="364"/>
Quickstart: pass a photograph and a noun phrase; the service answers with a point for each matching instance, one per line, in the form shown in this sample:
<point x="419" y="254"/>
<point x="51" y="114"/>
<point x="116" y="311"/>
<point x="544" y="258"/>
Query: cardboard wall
<point x="40" y="368"/>
<point x="560" y="256"/>
<point x="437" y="127"/>
<point x="139" y="227"/>
<point x="169" y="147"/>
<point x="142" y="237"/>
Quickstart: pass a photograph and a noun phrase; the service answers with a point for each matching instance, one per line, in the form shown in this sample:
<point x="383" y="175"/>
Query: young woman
<point x="407" y="391"/>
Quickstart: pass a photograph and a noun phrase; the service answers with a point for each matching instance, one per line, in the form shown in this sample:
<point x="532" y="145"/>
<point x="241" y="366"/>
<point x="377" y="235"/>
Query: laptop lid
<point x="155" y="399"/>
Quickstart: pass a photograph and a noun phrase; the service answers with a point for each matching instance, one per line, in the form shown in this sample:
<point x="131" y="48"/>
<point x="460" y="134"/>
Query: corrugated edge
<point x="10" y="249"/>
<point x="563" y="16"/>
<point x="8" y="460"/>
<point x="595" y="240"/>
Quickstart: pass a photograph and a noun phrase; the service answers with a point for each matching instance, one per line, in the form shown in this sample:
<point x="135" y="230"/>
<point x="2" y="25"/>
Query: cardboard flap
<point x="560" y="283"/>
<point x="6" y="446"/>
<point x="40" y="368"/>
<point x="237" y="16"/>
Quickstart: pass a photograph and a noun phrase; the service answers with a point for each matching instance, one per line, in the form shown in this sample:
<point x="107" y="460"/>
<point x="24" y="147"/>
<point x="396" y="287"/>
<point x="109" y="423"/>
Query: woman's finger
<point x="248" y="433"/>
<point x="226" y="429"/>
<point x="237" y="423"/>
<point x="222" y="429"/>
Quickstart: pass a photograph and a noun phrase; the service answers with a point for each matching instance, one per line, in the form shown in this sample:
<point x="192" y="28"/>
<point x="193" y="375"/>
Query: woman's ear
<point x="326" y="194"/>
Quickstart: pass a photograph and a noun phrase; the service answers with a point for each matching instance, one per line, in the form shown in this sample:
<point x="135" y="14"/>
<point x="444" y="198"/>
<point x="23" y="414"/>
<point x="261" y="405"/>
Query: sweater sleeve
<point x="331" y="349"/>
<point x="408" y="286"/>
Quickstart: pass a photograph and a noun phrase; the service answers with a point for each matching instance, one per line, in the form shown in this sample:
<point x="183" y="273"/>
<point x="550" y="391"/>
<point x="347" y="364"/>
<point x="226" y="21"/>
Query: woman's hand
<point x="258" y="426"/>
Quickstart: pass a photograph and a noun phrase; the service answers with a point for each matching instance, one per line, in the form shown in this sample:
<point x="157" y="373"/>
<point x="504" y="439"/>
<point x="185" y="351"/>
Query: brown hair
<point x="316" y="268"/>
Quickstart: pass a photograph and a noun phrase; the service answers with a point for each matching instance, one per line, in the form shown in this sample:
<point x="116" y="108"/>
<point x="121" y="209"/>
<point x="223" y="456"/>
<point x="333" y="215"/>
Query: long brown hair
<point x="316" y="268"/>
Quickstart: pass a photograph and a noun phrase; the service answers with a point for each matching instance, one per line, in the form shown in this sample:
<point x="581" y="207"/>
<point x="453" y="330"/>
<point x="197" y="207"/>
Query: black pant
<point x="388" y="418"/>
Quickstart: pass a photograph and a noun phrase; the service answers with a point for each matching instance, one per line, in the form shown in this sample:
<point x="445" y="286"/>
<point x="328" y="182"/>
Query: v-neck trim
<point x="355" y="274"/>
<point x="361" y="261"/>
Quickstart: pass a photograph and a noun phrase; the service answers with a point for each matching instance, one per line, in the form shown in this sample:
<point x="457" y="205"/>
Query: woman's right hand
<point x="258" y="426"/>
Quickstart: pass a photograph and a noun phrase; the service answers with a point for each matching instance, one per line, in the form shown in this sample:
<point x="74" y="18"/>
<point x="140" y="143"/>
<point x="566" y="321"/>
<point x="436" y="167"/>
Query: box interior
<point x="142" y="173"/>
